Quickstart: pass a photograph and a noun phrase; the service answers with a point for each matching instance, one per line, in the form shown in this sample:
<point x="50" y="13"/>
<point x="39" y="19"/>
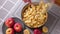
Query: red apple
<point x="27" y="1"/>
<point x="37" y="31"/>
<point x="18" y="27"/>
<point x="9" y="22"/>
<point x="9" y="31"/>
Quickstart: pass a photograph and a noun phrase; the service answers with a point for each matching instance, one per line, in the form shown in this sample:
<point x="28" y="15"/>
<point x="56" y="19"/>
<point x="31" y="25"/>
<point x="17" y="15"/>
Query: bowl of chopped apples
<point x="35" y="15"/>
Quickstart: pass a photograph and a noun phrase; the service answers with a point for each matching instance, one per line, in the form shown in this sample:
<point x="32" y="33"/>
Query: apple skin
<point x="37" y="31"/>
<point x="9" y="22"/>
<point x="18" y="27"/>
<point x="9" y="31"/>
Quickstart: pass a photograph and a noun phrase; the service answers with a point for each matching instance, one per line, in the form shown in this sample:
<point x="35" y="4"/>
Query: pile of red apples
<point x="12" y="26"/>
